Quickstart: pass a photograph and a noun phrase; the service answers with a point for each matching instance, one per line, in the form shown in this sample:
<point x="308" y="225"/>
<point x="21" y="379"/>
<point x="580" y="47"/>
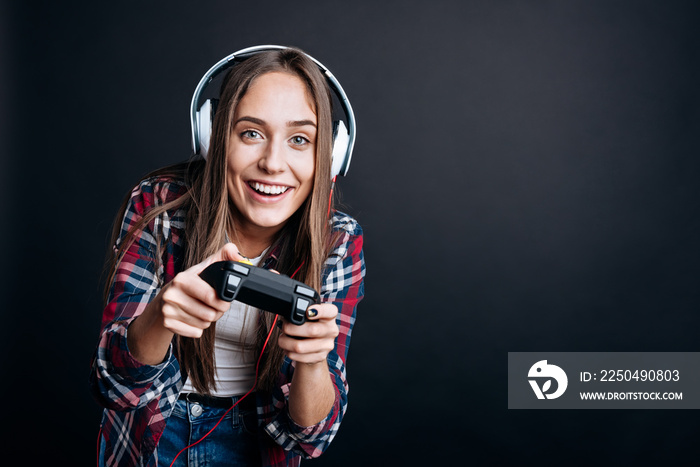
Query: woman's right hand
<point x="186" y="306"/>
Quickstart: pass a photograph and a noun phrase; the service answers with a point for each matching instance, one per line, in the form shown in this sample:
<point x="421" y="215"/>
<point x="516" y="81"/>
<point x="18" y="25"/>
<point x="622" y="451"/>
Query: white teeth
<point x="269" y="189"/>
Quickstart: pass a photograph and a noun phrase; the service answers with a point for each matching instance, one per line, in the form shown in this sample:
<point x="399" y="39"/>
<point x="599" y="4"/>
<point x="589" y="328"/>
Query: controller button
<point x="232" y="283"/>
<point x="241" y="269"/>
<point x="302" y="305"/>
<point x="305" y="291"/>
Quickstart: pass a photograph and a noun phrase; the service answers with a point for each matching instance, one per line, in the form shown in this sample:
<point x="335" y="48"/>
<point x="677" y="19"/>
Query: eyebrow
<point x="301" y="123"/>
<point x="291" y="123"/>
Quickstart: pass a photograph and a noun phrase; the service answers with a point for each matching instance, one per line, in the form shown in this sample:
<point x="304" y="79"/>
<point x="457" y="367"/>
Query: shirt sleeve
<point x="343" y="286"/>
<point x="118" y="380"/>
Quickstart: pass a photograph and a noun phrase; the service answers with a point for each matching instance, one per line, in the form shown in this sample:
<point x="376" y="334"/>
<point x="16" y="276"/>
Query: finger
<point x="326" y="329"/>
<point x="193" y="286"/>
<point x="183" y="307"/>
<point x="305" y="346"/>
<point x="183" y="329"/>
<point x="322" y="311"/>
<point x="182" y="323"/>
<point x="228" y="252"/>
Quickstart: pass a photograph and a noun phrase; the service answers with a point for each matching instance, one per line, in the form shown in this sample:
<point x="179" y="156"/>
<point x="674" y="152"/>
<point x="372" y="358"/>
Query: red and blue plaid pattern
<point x="139" y="398"/>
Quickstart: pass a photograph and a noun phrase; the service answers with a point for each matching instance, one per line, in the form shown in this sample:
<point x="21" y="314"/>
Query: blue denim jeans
<point x="232" y="443"/>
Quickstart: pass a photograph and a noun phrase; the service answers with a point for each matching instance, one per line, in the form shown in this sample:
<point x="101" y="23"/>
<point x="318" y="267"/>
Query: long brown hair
<point x="303" y="243"/>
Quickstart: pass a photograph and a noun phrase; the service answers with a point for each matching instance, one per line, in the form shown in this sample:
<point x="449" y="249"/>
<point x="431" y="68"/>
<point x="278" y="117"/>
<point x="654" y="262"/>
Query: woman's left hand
<point x="312" y="341"/>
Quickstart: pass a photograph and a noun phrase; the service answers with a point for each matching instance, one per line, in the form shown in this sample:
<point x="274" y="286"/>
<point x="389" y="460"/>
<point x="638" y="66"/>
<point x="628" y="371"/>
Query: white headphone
<point x="202" y="117"/>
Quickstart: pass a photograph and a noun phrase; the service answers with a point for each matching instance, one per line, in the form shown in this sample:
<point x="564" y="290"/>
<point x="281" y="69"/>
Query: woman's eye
<point x="252" y="134"/>
<point x="299" y="140"/>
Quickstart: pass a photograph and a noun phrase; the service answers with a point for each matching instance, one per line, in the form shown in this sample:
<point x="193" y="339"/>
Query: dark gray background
<point x="525" y="172"/>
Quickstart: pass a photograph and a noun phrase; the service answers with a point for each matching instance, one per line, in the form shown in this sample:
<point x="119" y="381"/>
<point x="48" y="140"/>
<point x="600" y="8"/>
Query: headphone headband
<point x="342" y="143"/>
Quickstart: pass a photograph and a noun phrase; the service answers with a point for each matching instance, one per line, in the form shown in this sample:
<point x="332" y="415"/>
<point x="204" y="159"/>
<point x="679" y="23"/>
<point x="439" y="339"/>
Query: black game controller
<point x="261" y="288"/>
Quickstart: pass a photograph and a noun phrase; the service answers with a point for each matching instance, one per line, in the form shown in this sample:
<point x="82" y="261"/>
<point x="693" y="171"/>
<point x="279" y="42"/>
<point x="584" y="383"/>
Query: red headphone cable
<point x="257" y="366"/>
<point x="330" y="198"/>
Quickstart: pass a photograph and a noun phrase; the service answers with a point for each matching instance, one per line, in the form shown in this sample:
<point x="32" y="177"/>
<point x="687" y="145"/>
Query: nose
<point x="272" y="158"/>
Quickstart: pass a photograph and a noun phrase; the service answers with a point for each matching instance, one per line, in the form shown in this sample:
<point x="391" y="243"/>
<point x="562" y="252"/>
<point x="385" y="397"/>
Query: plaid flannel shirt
<point x="139" y="398"/>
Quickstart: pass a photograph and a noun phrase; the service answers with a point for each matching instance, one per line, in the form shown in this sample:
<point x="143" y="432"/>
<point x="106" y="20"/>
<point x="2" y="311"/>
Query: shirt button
<point x="196" y="410"/>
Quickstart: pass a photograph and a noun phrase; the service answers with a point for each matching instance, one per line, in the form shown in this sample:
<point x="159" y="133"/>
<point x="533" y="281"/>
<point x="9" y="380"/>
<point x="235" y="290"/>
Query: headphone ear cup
<point x="205" y="120"/>
<point x="339" y="158"/>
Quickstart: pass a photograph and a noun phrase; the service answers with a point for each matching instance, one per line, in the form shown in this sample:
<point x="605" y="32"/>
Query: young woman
<point x="172" y="357"/>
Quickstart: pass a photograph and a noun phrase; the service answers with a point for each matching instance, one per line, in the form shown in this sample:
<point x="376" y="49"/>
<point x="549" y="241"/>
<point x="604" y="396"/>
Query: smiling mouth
<point x="268" y="190"/>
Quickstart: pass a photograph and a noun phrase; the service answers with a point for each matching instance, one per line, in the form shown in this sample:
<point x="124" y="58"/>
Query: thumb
<point x="228" y="252"/>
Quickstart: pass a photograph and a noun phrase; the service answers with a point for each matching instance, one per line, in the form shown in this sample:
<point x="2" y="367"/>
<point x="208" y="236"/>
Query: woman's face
<point x="271" y="152"/>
